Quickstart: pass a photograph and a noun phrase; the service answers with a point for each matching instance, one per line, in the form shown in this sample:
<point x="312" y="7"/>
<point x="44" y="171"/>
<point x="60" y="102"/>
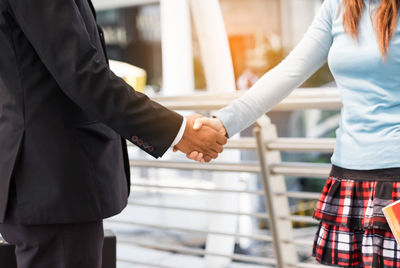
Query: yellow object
<point x="134" y="76"/>
<point x="392" y="214"/>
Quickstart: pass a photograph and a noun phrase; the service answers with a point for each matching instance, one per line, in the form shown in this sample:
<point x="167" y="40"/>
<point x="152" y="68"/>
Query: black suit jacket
<point x="62" y="115"/>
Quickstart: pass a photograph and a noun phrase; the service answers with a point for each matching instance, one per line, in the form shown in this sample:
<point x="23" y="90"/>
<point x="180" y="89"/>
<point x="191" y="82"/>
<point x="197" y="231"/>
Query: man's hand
<point x="205" y="140"/>
<point x="199" y="123"/>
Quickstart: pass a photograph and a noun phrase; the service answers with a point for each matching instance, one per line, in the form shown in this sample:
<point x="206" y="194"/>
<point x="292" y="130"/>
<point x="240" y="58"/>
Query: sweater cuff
<point x="226" y="119"/>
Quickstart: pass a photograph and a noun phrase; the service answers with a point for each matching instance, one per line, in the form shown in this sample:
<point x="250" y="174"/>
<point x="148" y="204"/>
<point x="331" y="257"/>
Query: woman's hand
<point x="214" y="123"/>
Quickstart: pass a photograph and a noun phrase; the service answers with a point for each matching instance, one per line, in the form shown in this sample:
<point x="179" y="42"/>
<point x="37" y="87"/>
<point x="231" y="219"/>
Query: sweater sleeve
<point x="305" y="59"/>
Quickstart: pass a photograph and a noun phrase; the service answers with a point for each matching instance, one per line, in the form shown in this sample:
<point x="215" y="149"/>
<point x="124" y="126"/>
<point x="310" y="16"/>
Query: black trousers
<point x="77" y="245"/>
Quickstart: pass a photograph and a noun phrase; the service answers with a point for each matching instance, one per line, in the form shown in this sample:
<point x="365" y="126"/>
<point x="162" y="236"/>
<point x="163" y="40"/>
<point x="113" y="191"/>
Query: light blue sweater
<point x="369" y="132"/>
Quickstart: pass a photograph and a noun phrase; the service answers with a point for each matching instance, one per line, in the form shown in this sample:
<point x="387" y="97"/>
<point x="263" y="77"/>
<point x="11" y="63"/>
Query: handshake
<point x="203" y="139"/>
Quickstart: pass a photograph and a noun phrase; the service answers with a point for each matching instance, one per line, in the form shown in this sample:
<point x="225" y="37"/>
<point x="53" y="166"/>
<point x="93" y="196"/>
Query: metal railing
<point x="272" y="170"/>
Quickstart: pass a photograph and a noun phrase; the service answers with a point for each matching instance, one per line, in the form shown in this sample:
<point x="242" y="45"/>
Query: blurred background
<point x="196" y="56"/>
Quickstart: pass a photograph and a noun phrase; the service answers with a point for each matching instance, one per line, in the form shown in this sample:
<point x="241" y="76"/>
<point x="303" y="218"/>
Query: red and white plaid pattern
<point x="356" y="204"/>
<point x="370" y="248"/>
<point x="353" y="231"/>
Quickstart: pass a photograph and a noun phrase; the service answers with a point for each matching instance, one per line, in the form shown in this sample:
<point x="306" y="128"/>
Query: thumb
<point x="198" y="123"/>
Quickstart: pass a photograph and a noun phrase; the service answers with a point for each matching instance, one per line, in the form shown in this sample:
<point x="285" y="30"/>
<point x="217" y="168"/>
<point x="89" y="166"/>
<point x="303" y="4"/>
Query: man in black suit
<point x="64" y="118"/>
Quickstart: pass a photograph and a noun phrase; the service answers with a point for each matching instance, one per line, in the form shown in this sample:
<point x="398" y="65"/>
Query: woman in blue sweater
<point x="360" y="39"/>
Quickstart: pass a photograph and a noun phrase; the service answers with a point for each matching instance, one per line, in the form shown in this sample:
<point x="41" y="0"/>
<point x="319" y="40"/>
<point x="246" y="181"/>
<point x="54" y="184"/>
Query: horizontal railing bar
<point x="299" y="93"/>
<point x="300" y="195"/>
<point x="284" y="144"/>
<point x="301" y="145"/>
<point x="200" y="97"/>
<point x="302" y="242"/>
<point x="223" y="212"/>
<point x="323" y="99"/>
<point x="286" y="105"/>
<point x="290" y="168"/>
<point x="326" y="104"/>
<point x="240" y="144"/>
<point x="310" y="265"/>
<point x="302" y="169"/>
<point x="201" y="252"/>
<point x="297" y="218"/>
<point x="192" y="230"/>
<point x="220" y="167"/>
<point x="293" y="194"/>
<point x="201" y="189"/>
<point x="297" y="242"/>
<point x="142" y="263"/>
<point x="107" y="5"/>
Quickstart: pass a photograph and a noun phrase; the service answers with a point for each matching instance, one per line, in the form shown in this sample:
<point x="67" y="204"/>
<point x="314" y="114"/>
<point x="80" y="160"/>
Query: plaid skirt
<point x="353" y="231"/>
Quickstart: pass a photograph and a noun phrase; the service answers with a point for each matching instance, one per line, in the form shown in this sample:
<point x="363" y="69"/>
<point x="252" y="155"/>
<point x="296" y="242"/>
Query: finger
<point x="189" y="156"/>
<point x="219" y="148"/>
<point x="213" y="155"/>
<point x="213" y="147"/>
<point x="192" y="155"/>
<point x="199" y="157"/>
<point x="175" y="149"/>
<point x="207" y="158"/>
<point x="210" y="122"/>
<point x="221" y="139"/>
<point x="198" y="123"/>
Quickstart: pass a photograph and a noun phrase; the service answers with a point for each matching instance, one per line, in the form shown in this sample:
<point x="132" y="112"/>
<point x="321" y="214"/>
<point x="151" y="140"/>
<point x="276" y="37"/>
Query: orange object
<point x="392" y="214"/>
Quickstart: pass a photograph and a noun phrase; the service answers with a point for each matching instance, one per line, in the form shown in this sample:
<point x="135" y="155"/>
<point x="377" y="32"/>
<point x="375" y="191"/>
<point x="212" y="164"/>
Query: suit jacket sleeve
<point x="58" y="34"/>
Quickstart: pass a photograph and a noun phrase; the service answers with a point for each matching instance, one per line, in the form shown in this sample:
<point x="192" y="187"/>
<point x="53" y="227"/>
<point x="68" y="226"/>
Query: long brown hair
<point x="386" y="19"/>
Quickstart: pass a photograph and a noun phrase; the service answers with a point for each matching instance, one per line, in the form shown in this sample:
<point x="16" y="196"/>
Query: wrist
<point x="180" y="134"/>
<point x="222" y="126"/>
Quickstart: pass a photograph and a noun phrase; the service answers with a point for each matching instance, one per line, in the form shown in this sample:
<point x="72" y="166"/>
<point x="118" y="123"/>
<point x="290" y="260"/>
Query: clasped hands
<point x="203" y="139"/>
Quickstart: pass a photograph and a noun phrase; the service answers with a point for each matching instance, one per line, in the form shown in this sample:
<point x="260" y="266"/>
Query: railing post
<point x="276" y="204"/>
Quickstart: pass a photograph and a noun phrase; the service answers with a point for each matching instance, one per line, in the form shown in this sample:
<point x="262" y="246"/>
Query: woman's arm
<point x="306" y="58"/>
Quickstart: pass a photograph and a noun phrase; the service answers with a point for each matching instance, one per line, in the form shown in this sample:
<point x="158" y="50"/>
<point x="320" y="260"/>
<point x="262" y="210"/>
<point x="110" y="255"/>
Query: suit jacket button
<point x="151" y="149"/>
<point x="146" y="145"/>
<point x="135" y="138"/>
<point x="140" y="142"/>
